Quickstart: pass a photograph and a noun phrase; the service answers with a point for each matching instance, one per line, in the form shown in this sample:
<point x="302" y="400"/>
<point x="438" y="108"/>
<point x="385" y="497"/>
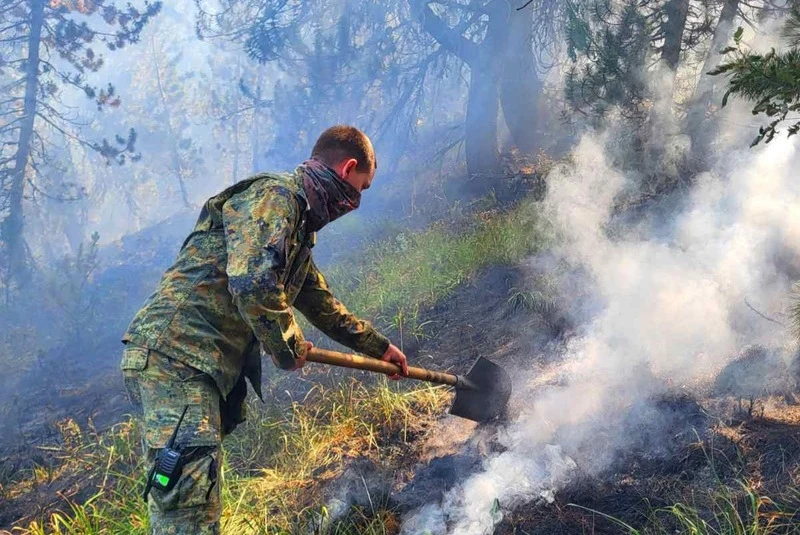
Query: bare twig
<point x="762" y="315"/>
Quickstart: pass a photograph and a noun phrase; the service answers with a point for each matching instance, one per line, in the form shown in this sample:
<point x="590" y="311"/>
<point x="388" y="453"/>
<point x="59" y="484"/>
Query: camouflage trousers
<point x="160" y="388"/>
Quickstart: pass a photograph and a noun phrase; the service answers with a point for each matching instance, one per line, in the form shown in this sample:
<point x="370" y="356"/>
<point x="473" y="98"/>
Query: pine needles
<point x="771" y="80"/>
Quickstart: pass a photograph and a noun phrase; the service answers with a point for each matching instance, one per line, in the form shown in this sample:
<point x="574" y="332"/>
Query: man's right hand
<point x="300" y="360"/>
<point x="395" y="356"/>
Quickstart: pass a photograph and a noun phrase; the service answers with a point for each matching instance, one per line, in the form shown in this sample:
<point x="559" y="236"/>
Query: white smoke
<point x="672" y="314"/>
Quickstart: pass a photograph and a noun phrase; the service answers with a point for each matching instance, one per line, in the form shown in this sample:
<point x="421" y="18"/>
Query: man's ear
<point x="348" y="166"/>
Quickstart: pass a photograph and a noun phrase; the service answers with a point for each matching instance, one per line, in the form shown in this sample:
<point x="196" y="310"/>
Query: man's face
<point x="360" y="180"/>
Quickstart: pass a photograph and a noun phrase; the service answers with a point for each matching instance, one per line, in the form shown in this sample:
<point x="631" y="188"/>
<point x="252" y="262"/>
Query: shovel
<point x="481" y="395"/>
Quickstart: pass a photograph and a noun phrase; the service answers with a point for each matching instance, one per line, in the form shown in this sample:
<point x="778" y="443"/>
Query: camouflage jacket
<point x="237" y="276"/>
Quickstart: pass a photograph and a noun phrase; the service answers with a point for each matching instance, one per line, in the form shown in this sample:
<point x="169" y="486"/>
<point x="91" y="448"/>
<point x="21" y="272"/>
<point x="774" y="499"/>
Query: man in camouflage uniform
<point x="226" y="300"/>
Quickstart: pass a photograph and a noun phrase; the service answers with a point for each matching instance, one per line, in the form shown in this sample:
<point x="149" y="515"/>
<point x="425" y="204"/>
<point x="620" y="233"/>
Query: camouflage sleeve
<point x="256" y="230"/>
<point x="329" y="315"/>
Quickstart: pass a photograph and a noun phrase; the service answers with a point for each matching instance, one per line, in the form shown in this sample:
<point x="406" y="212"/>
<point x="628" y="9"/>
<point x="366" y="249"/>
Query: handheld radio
<point x="168" y="464"/>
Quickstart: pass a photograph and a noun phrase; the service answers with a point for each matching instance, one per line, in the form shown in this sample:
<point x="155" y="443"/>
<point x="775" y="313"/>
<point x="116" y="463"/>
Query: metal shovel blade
<point x="483" y="393"/>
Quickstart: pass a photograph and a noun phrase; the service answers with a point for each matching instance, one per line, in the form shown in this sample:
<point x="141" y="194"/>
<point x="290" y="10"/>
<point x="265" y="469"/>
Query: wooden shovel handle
<point x="358" y="362"/>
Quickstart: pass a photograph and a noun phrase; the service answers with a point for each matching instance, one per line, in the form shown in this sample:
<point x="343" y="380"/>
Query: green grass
<point x="107" y="465"/>
<point x="723" y="506"/>
<point x="721" y="510"/>
<point x="398" y="279"/>
<point x="729" y="511"/>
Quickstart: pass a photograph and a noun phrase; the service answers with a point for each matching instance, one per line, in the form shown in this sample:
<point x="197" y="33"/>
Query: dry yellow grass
<point x="275" y="465"/>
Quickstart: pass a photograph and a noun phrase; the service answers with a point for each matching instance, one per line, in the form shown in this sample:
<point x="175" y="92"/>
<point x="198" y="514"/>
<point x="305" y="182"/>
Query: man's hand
<point x="394" y="355"/>
<point x="300" y="361"/>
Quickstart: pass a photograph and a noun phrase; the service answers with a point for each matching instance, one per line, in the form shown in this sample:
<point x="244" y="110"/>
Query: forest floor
<point x="343" y="452"/>
<point x="726" y="458"/>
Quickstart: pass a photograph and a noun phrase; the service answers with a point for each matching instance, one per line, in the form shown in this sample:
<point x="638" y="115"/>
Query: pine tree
<point x="169" y="96"/>
<point x="614" y="45"/>
<point x="609" y="46"/>
<point x="47" y="48"/>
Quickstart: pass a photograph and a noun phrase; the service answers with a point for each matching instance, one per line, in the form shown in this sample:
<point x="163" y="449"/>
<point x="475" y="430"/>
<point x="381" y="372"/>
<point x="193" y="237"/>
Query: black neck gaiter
<point x="329" y="197"/>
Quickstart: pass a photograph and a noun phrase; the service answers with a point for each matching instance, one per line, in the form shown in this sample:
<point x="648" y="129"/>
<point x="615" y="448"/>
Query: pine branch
<point x="771" y="81"/>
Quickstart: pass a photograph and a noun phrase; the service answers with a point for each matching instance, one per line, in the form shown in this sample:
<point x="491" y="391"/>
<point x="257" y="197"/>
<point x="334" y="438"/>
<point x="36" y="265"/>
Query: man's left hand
<point x="395" y="356"/>
<point x="300" y="360"/>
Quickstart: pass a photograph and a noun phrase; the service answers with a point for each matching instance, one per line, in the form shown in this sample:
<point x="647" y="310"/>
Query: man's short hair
<point x="342" y="142"/>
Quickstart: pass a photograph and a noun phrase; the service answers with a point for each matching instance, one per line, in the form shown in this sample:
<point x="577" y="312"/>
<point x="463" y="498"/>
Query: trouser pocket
<point x="166" y="387"/>
<point x="193" y="505"/>
<point x="196" y="482"/>
<point x="134" y="362"/>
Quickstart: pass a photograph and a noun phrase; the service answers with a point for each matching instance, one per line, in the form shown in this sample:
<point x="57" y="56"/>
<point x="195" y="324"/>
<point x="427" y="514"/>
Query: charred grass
<point x="739" y="478"/>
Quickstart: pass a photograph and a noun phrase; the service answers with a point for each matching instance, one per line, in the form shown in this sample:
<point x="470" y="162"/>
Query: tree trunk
<point x="177" y="166"/>
<point x="702" y="99"/>
<point x="12" y="227"/>
<point x="483" y="98"/>
<point x="520" y="86"/>
<point x="480" y="139"/>
<point x="676" y="11"/>
<point x="722" y="34"/>
<point x="480" y="142"/>
<point x="236" y="142"/>
<point x="705" y="86"/>
<point x="178" y="170"/>
<point x="661" y="126"/>
<point x="255" y="131"/>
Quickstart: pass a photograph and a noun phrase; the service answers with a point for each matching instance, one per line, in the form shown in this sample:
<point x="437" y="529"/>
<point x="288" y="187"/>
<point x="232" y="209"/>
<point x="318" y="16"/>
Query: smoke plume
<point x="668" y="312"/>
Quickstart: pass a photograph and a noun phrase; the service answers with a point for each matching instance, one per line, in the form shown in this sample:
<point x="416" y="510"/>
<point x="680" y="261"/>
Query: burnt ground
<point x="712" y="441"/>
<point x="761" y="451"/>
<point x="707" y="443"/>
